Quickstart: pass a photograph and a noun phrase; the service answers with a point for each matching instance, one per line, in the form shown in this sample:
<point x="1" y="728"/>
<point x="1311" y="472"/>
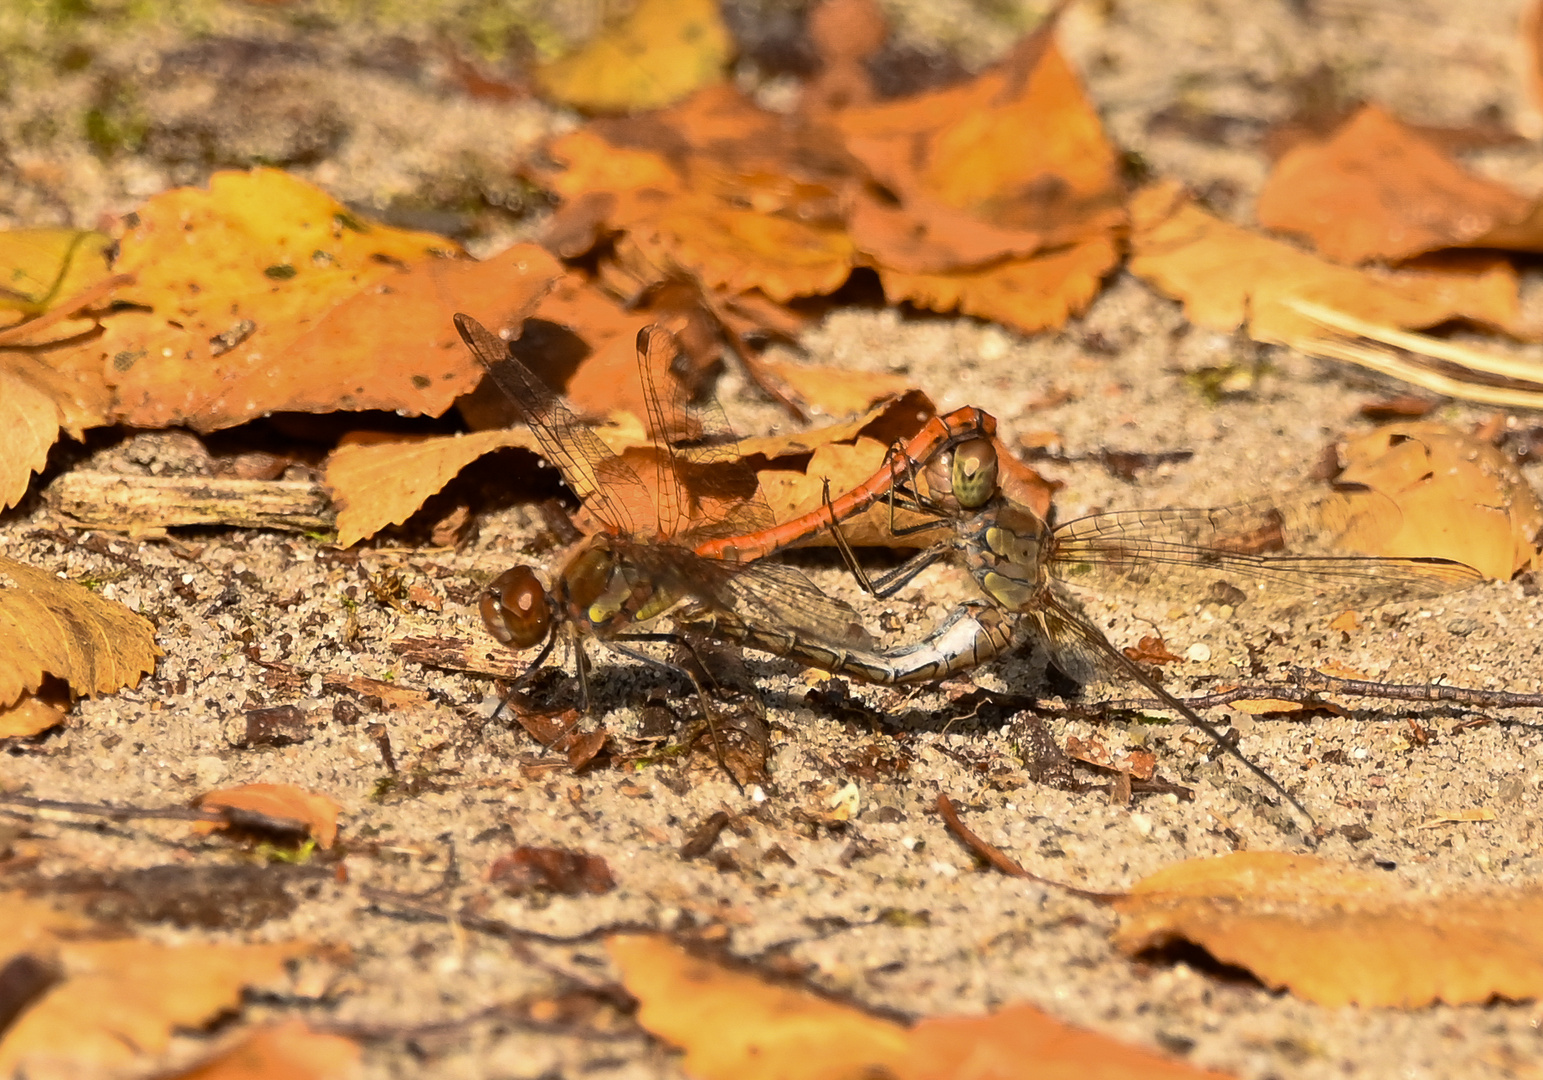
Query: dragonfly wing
<point x="1271" y="553"/>
<point x="767" y="596"/>
<point x="782" y="598"/>
<point x="613" y="491"/>
<point x="1076" y="644"/>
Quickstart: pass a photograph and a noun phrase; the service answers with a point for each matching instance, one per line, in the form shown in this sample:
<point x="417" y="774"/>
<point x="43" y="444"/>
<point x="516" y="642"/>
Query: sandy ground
<point x="886" y="908"/>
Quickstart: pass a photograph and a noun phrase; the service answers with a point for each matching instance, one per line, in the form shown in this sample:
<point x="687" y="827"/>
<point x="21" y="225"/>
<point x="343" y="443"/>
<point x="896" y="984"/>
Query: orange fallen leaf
<point x="837" y="391"/>
<point x="263" y="293"/>
<point x="383" y="482"/>
<point x="791" y="493"/>
<point x="40" y="267"/>
<point x="659" y="53"/>
<point x="844" y="33"/>
<point x="318" y="814"/>
<point x="54" y="627"/>
<point x="29" y="426"/>
<point x="30" y="715"/>
<point x="119" y="999"/>
<point x="1011" y="163"/>
<point x="1461" y="498"/>
<point x="1151" y="649"/>
<point x="291" y="1051"/>
<point x="1457" y="817"/>
<point x="1028" y="295"/>
<point x="1336" y="935"/>
<point x="888" y="422"/>
<point x="1141" y="764"/>
<point x="1228" y="277"/>
<point x="735" y="250"/>
<point x="733" y="1025"/>
<point x="584" y="345"/>
<point x="1346" y="622"/>
<point x="1378" y="189"/>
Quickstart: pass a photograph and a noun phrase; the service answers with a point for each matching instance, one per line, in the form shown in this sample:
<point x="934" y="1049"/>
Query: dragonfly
<point x="643" y="564"/>
<point x="1268" y="554"/>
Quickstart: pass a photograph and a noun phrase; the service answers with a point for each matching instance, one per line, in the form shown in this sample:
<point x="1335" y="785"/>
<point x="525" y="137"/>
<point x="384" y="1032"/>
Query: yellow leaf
<point x="1335" y="935"/>
<point x="376" y="484"/>
<point x="837" y="391"/>
<point x="54" y="627"/>
<point x="660" y="53"/>
<point x="29" y="425"/>
<point x="734" y="1025"/>
<point x="118" y="999"/>
<point x="1460" y="497"/>
<point x="290" y="1050"/>
<point x="1228" y="276"/>
<point x="40" y="267"/>
<point x="264" y="293"/>
<point x="29" y="716"/>
<point x="283" y="802"/>
<point x="1028" y="295"/>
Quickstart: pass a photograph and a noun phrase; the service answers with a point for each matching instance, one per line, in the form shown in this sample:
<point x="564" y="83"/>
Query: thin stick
<point x="996" y="857"/>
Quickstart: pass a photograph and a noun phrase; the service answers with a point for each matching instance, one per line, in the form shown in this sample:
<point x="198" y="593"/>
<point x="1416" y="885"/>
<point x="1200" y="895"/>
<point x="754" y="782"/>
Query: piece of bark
<point x="139" y="504"/>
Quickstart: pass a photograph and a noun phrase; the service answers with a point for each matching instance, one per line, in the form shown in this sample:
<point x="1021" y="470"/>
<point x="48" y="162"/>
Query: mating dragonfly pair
<point x="692" y="546"/>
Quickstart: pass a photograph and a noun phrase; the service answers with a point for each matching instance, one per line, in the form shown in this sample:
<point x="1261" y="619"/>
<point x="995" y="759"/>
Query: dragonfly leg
<point x="887" y="584"/>
<point x="530" y="669"/>
<point x="708" y="713"/>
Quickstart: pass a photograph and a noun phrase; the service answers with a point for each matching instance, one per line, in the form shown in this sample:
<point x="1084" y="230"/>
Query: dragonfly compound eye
<point x="515" y="608"/>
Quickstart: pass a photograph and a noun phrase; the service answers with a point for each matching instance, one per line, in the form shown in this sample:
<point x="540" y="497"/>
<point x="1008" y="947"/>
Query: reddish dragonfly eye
<point x="515" y="609"/>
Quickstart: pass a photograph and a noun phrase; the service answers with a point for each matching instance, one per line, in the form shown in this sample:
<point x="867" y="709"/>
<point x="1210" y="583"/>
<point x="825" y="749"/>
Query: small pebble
<point x="1199" y="652"/>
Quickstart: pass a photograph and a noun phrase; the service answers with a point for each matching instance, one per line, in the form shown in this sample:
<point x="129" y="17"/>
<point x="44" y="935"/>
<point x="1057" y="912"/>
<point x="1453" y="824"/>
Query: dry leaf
<point x="380" y="483"/>
<point x="735" y="250"/>
<point x="40" y="267"/>
<point x="29" y="716"/>
<point x="661" y="52"/>
<point x="792" y="494"/>
<point x="29" y="425"/>
<point x="733" y="1025"/>
<point x="1228" y="276"/>
<point x="54" y="627"/>
<point x="1337" y="936"/>
<point x="1461" y="497"/>
<point x="1028" y="295"/>
<point x="119" y="998"/>
<point x="232" y="276"/>
<point x="307" y="810"/>
<point x="1346" y="622"/>
<point x="549" y="869"/>
<point x="263" y="293"/>
<point x="1378" y="189"/>
<point x="891" y="421"/>
<point x="837" y="391"/>
<point x="584" y="345"/>
<point x="1012" y="163"/>
<point x="287" y="1051"/>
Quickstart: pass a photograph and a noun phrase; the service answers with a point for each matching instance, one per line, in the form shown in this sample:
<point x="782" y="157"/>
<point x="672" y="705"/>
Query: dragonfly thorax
<point x="964" y="476"/>
<point x="603" y="588"/>
<point x="1007" y="554"/>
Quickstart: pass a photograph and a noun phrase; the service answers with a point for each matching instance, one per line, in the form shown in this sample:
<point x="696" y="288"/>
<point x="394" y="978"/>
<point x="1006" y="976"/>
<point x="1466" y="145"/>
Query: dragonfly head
<point x="964" y="475"/>
<point x="516" y="609"/>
